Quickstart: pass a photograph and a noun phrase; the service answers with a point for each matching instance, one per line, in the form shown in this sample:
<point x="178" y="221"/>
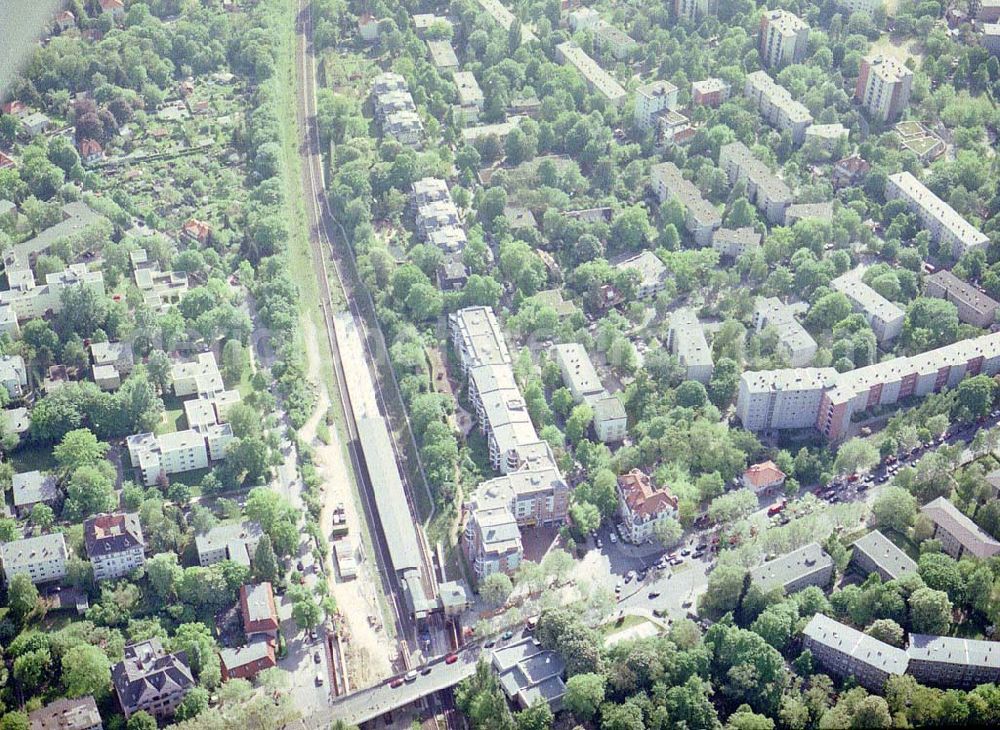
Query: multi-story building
<point x="652" y="273"/>
<point x="492" y="540"/>
<point x="32" y="487"/>
<point x="642" y="506"/>
<point x="875" y="553"/>
<point x="958" y="534"/>
<point x="989" y="11"/>
<point x="406" y="127"/>
<point x="528" y="674"/>
<point x="867" y="8"/>
<point x="808" y="566"/>
<point x="67" y="714"/>
<point x="652" y="99"/>
<point x="396" y="111"/>
<point x="709" y="92"/>
<point x="260" y="616"/>
<point x="734" y="242"/>
<point x="849" y="171"/>
<point x="974" y="307"/>
<point x="610" y="419"/>
<point x="179" y="451"/>
<point x="945" y="225"/>
<point x="13" y="376"/>
<point x="827" y="136"/>
<point x="477" y="338"/>
<point x="784" y="38"/>
<point x="885" y="318"/>
<point x="599" y="80"/>
<point x="200" y="377"/>
<point x="504" y="419"/>
<point x="614" y="41"/>
<point x="534" y="496"/>
<point x="948" y="661"/>
<point x="847" y="652"/>
<point x="695" y="9"/>
<point x="428" y="190"/>
<point x="808" y="211"/>
<point x="236" y="541"/>
<point x="41" y="558"/>
<point x="470" y="96"/>
<point x="504" y="18"/>
<point x="782" y="399"/>
<point x="763" y="477"/>
<point x="246" y="662"/>
<point x="883" y="87"/>
<point x="149" y="679"/>
<point x="777" y="106"/>
<point x="578" y="371"/>
<point x="423" y="22"/>
<point x="701" y="217"/>
<point x="794" y="342"/>
<point x="115" y="544"/>
<point x="686" y="340"/>
<point x="29" y="300"/>
<point x="764" y="189"/>
<point x="442" y="55"/>
<point x="437" y="215"/>
<point x="991" y="38"/>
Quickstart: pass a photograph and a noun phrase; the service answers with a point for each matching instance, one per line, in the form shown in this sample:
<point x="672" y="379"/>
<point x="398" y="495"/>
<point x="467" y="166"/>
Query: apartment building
<point x="651" y="100"/>
<point x="808" y="566"/>
<point x="149" y="679"/>
<point x="442" y="55"/>
<point x="260" y="616"/>
<point x="776" y="105"/>
<point x="28" y="300"/>
<point x="423" y="22"/>
<point x="477" y="338"/>
<point x="764" y="189"/>
<point x="885" y="318"/>
<point x="782" y="399"/>
<point x="396" y="111"/>
<point x="504" y="18"/>
<point x="701" y="217"/>
<point x="598" y="80"/>
<point x="115" y="544"/>
<point x="534" y="496"/>
<point x="875" y="553"/>
<point x="491" y="540"/>
<point x="470" y="96"/>
<point x="581" y="378"/>
<point x="695" y="9"/>
<point x="13" y="376"/>
<point x="32" y="487"/>
<point x="948" y="661"/>
<point x="236" y="541"/>
<point x="827" y="136"/>
<point x="974" y="307"/>
<point x="160" y="289"/>
<point x="710" y="92"/>
<point x="958" y="534"/>
<point x="179" y="451"/>
<point x="991" y="38"/>
<point x="67" y="714"/>
<point x="613" y="41"/>
<point x="734" y="242"/>
<point x="673" y="128"/>
<point x="989" y="11"/>
<point x="610" y="419"/>
<point x="784" y="38"/>
<point x="504" y="419"/>
<point x="846" y="652"/>
<point x="808" y="211"/>
<point x="198" y="377"/>
<point x="945" y="225"/>
<point x="651" y="272"/>
<point x="437" y="215"/>
<point x="868" y="8"/>
<point x="686" y="341"/>
<point x="41" y="558"/>
<point x="794" y="342"/>
<point x="528" y="674"/>
<point x="643" y="506"/>
<point x="883" y="87"/>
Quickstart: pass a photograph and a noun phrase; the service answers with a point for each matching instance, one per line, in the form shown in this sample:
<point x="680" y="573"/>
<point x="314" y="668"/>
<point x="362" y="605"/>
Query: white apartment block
<point x="199" y="377"/>
<point x="734" y="242"/>
<point x="179" y="451"/>
<point x="827" y="136"/>
<point x="236" y="541"/>
<point x="583" y="19"/>
<point x="686" y="341"/>
<point x="29" y="300"/>
<point x="952" y="231"/>
<point x="652" y="99"/>
<point x="470" y="96"/>
<point x="477" y="338"/>
<point x="777" y="106"/>
<point x="782" y="399"/>
<point x="578" y="372"/>
<point x="695" y="9"/>
<point x="598" y="80"/>
<point x="504" y="18"/>
<point x="885" y="318"/>
<point x="652" y="273"/>
<point x="614" y="41"/>
<point x="795" y="343"/>
<point x="883" y="87"/>
<point x="991" y="38"/>
<point x="41" y="558"/>
<point x="701" y="217"/>
<point x="784" y="38"/>
<point x="503" y="417"/>
<point x="764" y="189"/>
<point x="610" y="419"/>
<point x="822" y="397"/>
<point x="974" y="307"/>
<point x="115" y="544"/>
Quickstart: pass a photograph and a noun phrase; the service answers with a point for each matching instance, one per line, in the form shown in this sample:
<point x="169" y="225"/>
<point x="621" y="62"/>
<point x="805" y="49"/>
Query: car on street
<point x="425" y="670"/>
<point x="653" y="594"/>
<point x="489" y="644"/>
<point x="599" y="544"/>
<point x="397" y="682"/>
<point x="316" y="657"/>
<point x="299" y="566"/>
<point x="411" y="676"/>
<point x="451" y="659"/>
<point x="629" y="576"/>
<point x="618" y="587"/>
<point x="506" y="635"/>
<point x="613" y="537"/>
<point x="319" y="679"/>
<point x="685" y="552"/>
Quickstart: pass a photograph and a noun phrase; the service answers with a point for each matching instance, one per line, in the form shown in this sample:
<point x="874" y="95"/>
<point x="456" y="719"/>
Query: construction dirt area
<point x="368" y="649"/>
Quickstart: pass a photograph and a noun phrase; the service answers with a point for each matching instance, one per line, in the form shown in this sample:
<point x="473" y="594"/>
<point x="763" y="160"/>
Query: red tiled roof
<point x="760" y="475"/>
<point x="5" y="161"/>
<point x="90" y="147"/>
<point x="640" y="496"/>
<point x="13" y="107"/>
<point x="112" y="4"/>
<point x="196" y="229"/>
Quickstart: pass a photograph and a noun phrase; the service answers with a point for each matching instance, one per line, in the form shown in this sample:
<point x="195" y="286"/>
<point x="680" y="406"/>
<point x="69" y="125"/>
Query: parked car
<point x="654" y="594"/>
<point x="319" y="679"/>
<point x="506" y="635"/>
<point x="411" y="676"/>
<point x="397" y="682"/>
<point x="451" y="659"/>
<point x="613" y="537"/>
<point x="425" y="670"/>
<point x="316" y="657"/>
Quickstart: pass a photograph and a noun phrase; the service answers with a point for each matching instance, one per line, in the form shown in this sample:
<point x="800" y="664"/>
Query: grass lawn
<point x="173" y="416"/>
<point x="190" y="478"/>
<point x="903" y="543"/>
<point x="30" y="458"/>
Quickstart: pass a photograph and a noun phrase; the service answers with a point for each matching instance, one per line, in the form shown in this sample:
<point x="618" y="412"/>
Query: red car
<point x="397" y="682"/>
<point x="777" y="507"/>
<point x="450" y="659"/>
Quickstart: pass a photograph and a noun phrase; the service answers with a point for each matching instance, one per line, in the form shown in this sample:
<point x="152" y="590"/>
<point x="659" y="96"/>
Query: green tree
<point x="886" y="630"/>
<point x="90" y="490"/>
<point x="691" y="394"/>
<point x="193" y="704"/>
<point x="894" y="509"/>
<point x="141" y="720"/>
<point x="930" y="612"/>
<point x="86" y="671"/>
<point x="536" y="717"/>
<point x="584" y="695"/>
<point x="578" y="422"/>
<point x="856" y="455"/>
<point x="265" y="563"/>
<point x="22" y="596"/>
<point x="164" y="574"/>
<point x="195" y="639"/>
<point x="79" y="448"/>
<point x="974" y="398"/>
<point x="482" y="702"/>
<point x="732" y="506"/>
<point x="668" y="531"/>
<point x="496" y="588"/>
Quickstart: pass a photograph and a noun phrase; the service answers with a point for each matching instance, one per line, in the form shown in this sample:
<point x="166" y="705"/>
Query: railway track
<point x="322" y="235"/>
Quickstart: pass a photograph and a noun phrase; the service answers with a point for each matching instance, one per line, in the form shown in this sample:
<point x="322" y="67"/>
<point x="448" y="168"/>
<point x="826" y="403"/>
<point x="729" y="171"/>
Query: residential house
<point x="643" y="506"/>
<point x="246" y="662"/>
<point x="91" y="151"/>
<point x="875" y="553"/>
<point x="197" y="231"/>
<point x="65" y="20"/>
<point x="115" y="544"/>
<point x="763" y="477"/>
<point x="260" y="617"/>
<point x="35" y="124"/>
<point x="67" y="714"/>
<point x="31" y="488"/>
<point x="236" y="541"/>
<point x="41" y="558"/>
<point x="652" y="274"/>
<point x="151" y="680"/>
<point x="529" y="674"/>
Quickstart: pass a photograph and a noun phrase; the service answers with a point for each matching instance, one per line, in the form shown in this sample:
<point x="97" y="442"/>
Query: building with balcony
<point x="885" y="318"/>
<point x="958" y="534"/>
<point x="710" y="92"/>
<point x="686" y="341"/>
<point x="694" y="9"/>
<point x="734" y="242"/>
<point x="197" y="377"/>
<point x="642" y="506"/>
<point x="777" y="106"/>
<point x="652" y="274"/>
<point x="794" y="342"/>
<point x="764" y="189"/>
<point x="883" y="87"/>
<point x="41" y="558"/>
<point x="946" y="226"/>
<point x="115" y="544"/>
<point x="67" y="714"/>
<point x="701" y="217"/>
<point x="492" y="540"/>
<point x="974" y="307"/>
<point x="652" y="99"/>
<point x="783" y="38"/>
<point x="782" y="399"/>
<point x="598" y="80"/>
